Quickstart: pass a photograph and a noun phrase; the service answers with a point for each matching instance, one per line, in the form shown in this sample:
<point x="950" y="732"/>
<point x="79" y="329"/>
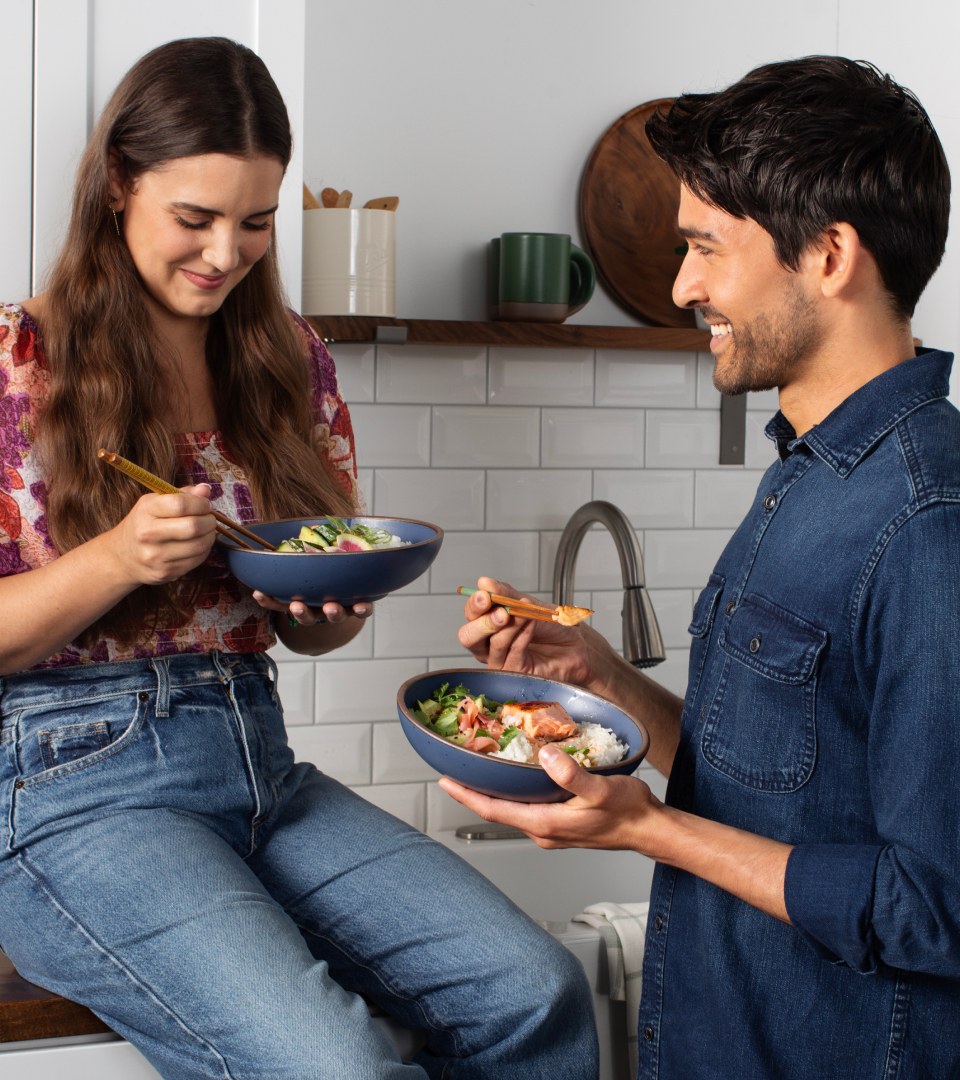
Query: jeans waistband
<point x="154" y="673"/>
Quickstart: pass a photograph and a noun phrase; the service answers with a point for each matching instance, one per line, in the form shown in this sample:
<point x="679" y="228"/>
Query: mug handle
<point x="583" y="279"/>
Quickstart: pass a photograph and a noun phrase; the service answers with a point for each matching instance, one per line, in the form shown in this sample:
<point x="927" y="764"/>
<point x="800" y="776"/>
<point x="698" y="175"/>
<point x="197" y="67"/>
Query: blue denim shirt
<point x="822" y="711"/>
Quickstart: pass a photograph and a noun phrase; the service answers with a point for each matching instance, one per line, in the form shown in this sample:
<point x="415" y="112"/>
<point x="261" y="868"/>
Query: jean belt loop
<point x="222" y="665"/>
<point x="161" y="669"/>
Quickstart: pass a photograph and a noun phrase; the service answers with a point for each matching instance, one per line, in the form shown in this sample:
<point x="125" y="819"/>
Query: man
<point x="805" y="911"/>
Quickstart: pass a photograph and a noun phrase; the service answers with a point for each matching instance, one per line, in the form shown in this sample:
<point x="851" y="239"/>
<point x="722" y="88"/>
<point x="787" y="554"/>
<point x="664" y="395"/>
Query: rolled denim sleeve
<point x="896" y="902"/>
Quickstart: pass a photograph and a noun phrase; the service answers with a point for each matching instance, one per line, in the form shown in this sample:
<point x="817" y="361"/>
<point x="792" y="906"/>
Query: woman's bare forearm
<point x="45" y="609"/>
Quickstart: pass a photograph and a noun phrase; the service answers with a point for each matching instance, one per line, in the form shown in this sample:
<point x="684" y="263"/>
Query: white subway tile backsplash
<point x="418" y="626"/>
<point x="392" y="434"/>
<point x="682" y="439"/>
<point x="674" y="609"/>
<point x="535" y="499"/>
<point x="405" y="801"/>
<point x="651" y="498"/>
<point x="676" y="558"/>
<point x="593" y="438"/>
<point x="295" y="687"/>
<point x="356" y="371"/>
<point x="708" y="396"/>
<point x="723" y="497"/>
<point x="359" y="691"/>
<point x="432" y="373"/>
<point x="450" y="498"/>
<point x="659" y="379"/>
<point x="486" y="436"/>
<point x="524" y="376"/>
<point x="342" y="751"/>
<point x="499" y="448"/>
<point x="394" y="759"/>
<point x="760" y="451"/>
<point x="507" y="556"/>
<point x="606" y="618"/>
<point x="673" y="672"/>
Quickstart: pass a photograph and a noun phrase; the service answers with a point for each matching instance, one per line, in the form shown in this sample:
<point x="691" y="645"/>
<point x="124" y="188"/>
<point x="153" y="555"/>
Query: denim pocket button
<point x="769" y="502"/>
<point x="754" y="645"/>
<point x="731" y="607"/>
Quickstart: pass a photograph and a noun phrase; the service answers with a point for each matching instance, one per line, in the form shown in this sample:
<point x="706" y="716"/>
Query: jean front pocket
<point x="56" y="740"/>
<point x="62" y="745"/>
<point x="761" y="728"/>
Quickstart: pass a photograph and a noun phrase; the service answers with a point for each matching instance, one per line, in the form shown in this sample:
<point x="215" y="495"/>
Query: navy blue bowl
<point x="348" y="577"/>
<point x="504" y="779"/>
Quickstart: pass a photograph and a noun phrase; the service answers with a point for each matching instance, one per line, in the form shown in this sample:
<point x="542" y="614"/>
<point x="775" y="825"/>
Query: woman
<point x="164" y="860"/>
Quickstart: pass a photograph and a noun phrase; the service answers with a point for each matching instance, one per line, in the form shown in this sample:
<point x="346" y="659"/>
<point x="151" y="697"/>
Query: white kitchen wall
<point x="480" y="116"/>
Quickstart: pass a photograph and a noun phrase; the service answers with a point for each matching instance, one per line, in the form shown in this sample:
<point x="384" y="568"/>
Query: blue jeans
<point x="164" y="861"/>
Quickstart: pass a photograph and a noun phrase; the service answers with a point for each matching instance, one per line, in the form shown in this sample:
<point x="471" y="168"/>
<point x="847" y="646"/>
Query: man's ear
<point x="118" y="181"/>
<point x="838" y="258"/>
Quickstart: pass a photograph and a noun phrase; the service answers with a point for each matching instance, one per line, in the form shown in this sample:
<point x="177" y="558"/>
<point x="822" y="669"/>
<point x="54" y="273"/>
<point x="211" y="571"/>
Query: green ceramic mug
<point x="538" y="277"/>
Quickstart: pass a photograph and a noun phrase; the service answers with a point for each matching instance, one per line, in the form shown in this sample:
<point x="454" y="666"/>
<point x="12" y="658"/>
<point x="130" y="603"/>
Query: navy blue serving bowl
<point x="348" y="577"/>
<point x="504" y="779"/>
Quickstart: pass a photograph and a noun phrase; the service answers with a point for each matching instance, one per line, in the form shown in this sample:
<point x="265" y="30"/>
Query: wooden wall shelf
<point x="383" y="331"/>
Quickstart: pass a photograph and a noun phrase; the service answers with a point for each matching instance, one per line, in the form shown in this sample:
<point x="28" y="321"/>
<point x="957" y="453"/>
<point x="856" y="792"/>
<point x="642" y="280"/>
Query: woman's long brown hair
<point x="189" y="97"/>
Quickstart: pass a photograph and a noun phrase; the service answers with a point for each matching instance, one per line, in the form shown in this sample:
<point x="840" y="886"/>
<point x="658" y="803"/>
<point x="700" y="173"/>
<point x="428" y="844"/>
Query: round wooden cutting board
<point x="628" y="220"/>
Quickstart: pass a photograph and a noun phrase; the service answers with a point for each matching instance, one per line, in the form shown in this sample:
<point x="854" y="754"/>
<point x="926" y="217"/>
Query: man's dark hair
<point x="803" y="144"/>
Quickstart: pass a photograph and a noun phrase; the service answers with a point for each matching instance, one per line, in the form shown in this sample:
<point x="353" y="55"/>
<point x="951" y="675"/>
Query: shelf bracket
<point x="390" y="335"/>
<point x="733" y="429"/>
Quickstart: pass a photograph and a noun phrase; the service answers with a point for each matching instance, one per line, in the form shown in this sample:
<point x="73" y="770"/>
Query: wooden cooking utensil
<point x="329" y="196"/>
<point x="387" y="202"/>
<point x="344" y="199"/>
<point x="309" y="199"/>
<point x="628" y="217"/>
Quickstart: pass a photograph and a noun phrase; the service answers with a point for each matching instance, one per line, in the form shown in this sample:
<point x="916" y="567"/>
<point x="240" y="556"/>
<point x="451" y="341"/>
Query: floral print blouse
<point x="226" y="617"/>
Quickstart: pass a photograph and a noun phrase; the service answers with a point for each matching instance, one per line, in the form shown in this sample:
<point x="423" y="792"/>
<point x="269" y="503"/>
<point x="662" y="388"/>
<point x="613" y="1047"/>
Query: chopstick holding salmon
<point x="564" y="614"/>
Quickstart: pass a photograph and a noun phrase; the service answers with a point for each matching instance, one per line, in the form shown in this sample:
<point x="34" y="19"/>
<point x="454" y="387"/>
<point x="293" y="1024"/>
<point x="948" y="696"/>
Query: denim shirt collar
<point x="844" y="437"/>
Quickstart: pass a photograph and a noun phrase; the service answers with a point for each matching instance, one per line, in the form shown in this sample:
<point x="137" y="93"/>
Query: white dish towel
<point x="623" y="928"/>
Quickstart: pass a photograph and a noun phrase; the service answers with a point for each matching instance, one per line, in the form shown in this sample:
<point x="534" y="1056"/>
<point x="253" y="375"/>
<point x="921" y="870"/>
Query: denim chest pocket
<point x="761" y="728"/>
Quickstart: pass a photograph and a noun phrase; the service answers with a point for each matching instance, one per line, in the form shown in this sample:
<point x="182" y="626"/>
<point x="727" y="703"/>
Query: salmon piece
<point x="547" y="720"/>
<point x="571" y="616"/>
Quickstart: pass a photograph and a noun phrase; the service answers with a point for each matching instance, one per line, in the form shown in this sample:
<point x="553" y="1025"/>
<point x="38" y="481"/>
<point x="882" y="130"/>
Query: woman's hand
<point x="315" y="631"/>
<point x="299" y="613"/>
<point x="511" y="643"/>
<point x="163" y="537"/>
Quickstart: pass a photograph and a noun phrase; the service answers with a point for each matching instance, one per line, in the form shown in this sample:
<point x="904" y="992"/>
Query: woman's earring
<point x="116" y="223"/>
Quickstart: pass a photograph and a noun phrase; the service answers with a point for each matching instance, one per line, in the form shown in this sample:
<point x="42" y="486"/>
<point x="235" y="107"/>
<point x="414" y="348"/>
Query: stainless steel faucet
<point x="642" y="643"/>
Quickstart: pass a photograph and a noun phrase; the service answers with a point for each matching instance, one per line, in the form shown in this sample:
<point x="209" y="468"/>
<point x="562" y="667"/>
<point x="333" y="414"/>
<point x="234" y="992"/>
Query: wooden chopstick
<point x="526" y="609"/>
<point x="226" y="526"/>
